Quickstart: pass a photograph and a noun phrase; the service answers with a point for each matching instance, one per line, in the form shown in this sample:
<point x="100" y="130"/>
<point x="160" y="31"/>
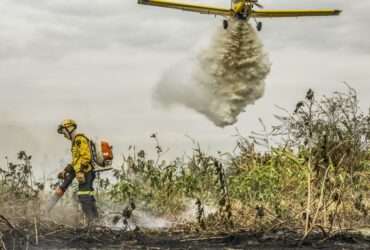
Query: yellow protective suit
<point x="81" y="154"/>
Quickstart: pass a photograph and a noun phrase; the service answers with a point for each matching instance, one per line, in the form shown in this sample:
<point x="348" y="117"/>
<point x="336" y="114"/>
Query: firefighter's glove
<point x="61" y="175"/>
<point x="68" y="169"/>
<point x="80" y="177"/>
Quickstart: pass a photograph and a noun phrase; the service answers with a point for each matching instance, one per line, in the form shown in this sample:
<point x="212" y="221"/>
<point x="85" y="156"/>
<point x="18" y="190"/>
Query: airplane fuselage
<point x="242" y="9"/>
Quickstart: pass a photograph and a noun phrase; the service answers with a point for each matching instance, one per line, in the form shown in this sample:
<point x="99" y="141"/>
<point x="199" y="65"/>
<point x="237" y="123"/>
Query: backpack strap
<point x="82" y="135"/>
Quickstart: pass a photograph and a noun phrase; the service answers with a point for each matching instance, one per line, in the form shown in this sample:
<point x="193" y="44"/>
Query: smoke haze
<point x="225" y="77"/>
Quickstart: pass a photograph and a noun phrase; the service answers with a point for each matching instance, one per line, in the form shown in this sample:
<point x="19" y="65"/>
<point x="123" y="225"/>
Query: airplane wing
<point x="295" y="13"/>
<point x="203" y="9"/>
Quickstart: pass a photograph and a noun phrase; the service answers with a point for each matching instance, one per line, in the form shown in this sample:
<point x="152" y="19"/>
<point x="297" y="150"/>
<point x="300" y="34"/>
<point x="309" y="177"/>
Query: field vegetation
<point x="313" y="173"/>
<point x="310" y="174"/>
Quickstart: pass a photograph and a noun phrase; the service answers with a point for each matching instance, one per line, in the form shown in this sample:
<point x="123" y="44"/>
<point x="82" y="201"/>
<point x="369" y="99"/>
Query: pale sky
<point x="97" y="61"/>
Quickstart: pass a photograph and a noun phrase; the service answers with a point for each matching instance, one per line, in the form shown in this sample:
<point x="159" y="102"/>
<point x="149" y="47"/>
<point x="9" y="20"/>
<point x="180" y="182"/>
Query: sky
<point x="97" y="61"/>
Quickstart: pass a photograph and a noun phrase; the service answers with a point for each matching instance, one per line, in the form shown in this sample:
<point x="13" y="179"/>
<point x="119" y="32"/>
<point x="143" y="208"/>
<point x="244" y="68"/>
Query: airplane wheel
<point x="225" y="24"/>
<point x="259" y="26"/>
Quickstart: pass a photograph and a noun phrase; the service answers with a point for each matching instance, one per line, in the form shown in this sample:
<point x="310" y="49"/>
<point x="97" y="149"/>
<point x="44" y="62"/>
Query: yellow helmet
<point x="68" y="124"/>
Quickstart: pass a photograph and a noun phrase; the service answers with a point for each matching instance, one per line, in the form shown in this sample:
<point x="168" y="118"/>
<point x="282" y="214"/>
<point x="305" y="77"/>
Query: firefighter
<point x="80" y="168"/>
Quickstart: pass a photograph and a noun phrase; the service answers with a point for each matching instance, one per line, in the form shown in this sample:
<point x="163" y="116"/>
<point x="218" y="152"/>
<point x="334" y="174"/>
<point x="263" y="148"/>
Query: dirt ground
<point x="103" y="238"/>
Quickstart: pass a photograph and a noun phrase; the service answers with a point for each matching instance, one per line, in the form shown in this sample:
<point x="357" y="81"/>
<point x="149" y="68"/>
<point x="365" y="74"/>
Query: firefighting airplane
<point x="240" y="9"/>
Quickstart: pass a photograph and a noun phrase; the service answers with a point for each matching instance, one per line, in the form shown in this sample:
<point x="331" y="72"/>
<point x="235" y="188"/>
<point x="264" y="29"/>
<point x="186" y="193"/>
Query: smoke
<point x="15" y="136"/>
<point x="224" y="79"/>
<point x="37" y="139"/>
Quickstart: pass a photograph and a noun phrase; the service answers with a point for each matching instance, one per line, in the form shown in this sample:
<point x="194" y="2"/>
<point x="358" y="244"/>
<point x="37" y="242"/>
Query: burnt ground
<point x="105" y="238"/>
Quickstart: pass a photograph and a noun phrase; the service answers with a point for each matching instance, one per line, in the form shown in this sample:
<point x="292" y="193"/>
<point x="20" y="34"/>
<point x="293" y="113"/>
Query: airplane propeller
<point x="256" y="3"/>
<point x="247" y="6"/>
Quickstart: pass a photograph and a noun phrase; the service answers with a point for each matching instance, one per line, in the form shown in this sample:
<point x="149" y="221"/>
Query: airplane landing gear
<point x="259" y="26"/>
<point x="225" y="24"/>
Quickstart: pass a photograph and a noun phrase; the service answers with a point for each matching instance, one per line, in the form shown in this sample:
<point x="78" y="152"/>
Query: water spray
<point x="227" y="76"/>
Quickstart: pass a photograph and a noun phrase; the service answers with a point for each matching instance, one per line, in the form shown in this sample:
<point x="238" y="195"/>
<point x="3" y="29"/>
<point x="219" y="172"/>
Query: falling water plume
<point x="226" y="77"/>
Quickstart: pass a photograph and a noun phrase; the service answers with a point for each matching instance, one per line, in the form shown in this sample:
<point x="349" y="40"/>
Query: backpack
<point x="102" y="153"/>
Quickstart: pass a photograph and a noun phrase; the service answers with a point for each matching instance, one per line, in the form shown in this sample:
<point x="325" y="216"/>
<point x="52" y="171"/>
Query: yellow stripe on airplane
<point x="294" y="13"/>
